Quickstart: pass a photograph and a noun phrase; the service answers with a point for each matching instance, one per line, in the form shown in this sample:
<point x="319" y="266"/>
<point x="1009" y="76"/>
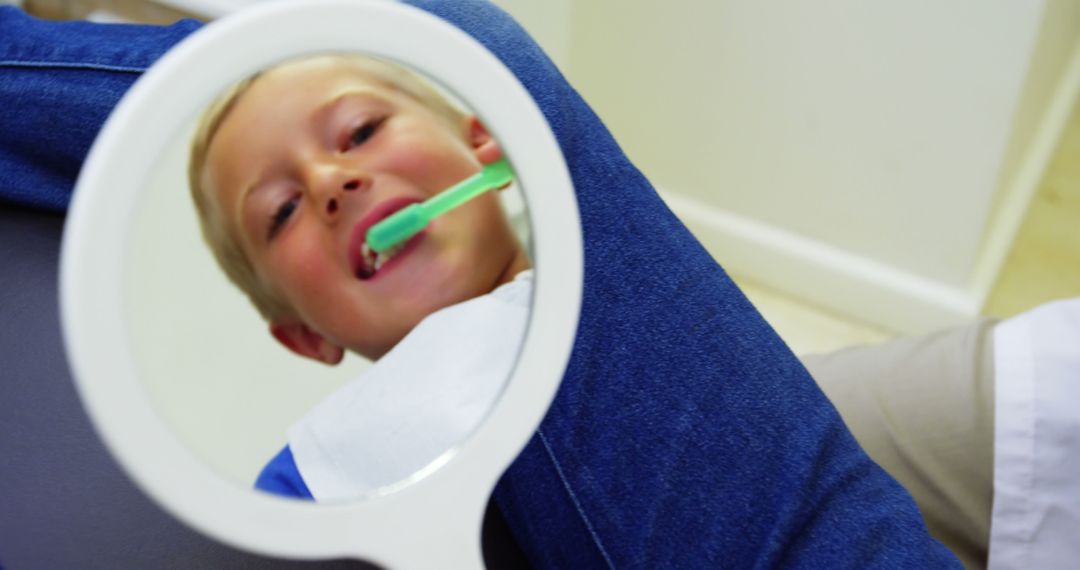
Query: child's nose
<point x="330" y="183"/>
<point x="334" y="201"/>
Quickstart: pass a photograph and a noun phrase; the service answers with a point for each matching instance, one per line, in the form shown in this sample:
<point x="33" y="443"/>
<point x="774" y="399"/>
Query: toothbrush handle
<point x="409" y="221"/>
<point x="493" y="175"/>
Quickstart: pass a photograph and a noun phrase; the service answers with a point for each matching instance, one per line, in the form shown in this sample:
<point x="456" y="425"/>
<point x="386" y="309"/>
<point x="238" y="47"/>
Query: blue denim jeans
<point x="58" y="83"/>
<point x="684" y="434"/>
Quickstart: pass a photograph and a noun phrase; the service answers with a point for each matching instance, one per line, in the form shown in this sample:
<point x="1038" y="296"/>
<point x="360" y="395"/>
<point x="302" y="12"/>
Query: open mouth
<point x="372" y="261"/>
<point x="366" y="262"/>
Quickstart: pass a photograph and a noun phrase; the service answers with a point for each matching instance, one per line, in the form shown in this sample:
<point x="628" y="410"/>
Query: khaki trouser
<point x="923" y="408"/>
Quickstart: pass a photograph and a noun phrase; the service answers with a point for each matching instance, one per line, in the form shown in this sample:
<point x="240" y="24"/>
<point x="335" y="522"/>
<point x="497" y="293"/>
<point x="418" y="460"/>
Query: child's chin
<point x="438" y="298"/>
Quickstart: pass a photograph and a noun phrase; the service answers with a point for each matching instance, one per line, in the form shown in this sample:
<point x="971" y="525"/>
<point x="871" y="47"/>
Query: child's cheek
<point x="308" y="266"/>
<point x="428" y="157"/>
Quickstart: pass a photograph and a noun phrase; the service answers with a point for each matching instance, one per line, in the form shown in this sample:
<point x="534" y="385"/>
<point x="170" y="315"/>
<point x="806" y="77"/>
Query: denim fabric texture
<point x="684" y="435"/>
<point x="58" y="83"/>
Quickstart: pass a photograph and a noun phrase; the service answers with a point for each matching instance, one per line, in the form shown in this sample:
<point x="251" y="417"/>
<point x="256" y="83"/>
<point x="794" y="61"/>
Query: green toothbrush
<point x="408" y="222"/>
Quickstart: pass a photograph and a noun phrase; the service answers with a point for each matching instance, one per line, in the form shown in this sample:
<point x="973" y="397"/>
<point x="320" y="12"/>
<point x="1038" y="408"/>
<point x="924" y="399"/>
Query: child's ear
<point x="484" y="146"/>
<point x="302" y="340"/>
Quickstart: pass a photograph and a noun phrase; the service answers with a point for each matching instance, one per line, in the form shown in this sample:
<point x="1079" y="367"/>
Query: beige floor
<point x="1045" y="260"/>
<point x="1044" y="265"/>
<point x="805" y="328"/>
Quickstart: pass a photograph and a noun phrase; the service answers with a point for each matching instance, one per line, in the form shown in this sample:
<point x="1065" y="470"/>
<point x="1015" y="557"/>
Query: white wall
<point x="846" y="151"/>
<point x="549" y="22"/>
<point x="1051" y="89"/>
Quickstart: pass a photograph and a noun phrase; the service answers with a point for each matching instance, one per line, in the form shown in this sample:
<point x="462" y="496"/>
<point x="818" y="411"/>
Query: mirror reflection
<point x="285" y="348"/>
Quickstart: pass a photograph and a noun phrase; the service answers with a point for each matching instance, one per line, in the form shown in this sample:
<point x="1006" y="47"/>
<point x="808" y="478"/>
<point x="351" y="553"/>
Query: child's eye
<point x="281" y="215"/>
<point x="364" y="132"/>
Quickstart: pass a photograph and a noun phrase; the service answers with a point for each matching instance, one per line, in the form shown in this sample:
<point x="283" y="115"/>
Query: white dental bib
<point x="416" y="403"/>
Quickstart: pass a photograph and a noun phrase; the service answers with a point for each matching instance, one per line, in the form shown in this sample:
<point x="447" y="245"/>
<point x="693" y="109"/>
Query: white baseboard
<point x="851" y="285"/>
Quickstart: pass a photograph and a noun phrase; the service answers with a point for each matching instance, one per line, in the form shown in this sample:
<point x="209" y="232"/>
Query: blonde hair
<point x="216" y="233"/>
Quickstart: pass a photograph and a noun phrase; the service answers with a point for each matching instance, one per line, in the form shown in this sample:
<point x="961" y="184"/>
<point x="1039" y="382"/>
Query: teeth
<point x="373" y="261"/>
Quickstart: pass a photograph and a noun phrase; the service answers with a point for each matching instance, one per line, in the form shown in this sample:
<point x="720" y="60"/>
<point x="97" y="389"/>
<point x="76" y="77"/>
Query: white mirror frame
<point x="441" y="509"/>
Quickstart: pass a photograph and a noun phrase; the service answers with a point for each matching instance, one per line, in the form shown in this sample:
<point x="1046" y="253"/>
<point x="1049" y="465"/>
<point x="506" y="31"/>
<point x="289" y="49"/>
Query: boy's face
<point x="312" y="155"/>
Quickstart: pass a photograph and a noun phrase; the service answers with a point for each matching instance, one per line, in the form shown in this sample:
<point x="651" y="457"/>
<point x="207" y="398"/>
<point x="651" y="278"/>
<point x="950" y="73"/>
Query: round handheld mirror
<point x="317" y="121"/>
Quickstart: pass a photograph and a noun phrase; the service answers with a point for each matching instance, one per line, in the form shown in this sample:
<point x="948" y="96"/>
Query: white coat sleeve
<point x="1036" y="512"/>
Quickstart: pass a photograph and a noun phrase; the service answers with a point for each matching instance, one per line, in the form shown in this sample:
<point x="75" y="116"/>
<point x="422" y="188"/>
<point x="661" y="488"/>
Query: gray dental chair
<point x="64" y="502"/>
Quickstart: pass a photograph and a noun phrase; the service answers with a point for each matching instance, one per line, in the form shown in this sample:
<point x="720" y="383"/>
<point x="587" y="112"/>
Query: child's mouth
<point x="372" y="261"/>
<point x="366" y="263"/>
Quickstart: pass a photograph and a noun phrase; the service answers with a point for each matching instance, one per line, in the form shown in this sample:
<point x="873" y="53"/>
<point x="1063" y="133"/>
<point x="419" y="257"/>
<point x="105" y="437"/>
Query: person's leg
<point x="58" y="83"/>
<point x="685" y="433"/>
<point x="923" y="409"/>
